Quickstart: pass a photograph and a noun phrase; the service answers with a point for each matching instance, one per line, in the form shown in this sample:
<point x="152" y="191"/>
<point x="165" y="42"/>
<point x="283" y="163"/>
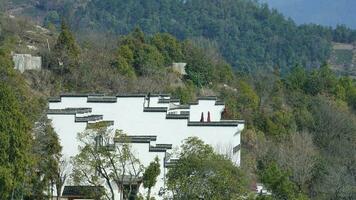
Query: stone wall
<point x="25" y="62"/>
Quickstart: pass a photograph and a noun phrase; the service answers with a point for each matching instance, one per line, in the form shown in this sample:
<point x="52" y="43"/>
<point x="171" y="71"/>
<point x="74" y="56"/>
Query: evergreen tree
<point x="150" y="176"/>
<point x="15" y="145"/>
<point x="66" y="51"/>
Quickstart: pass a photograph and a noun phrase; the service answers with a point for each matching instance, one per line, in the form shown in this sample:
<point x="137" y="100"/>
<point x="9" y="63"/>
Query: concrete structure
<point x="179" y="68"/>
<point x="155" y="123"/>
<point x="25" y="62"/>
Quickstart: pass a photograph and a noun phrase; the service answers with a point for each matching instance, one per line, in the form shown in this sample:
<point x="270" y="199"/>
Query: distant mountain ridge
<point x="323" y="12"/>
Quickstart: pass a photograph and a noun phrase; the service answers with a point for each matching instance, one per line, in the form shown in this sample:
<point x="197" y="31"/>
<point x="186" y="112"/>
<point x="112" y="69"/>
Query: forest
<point x="299" y="139"/>
<point x="248" y="34"/>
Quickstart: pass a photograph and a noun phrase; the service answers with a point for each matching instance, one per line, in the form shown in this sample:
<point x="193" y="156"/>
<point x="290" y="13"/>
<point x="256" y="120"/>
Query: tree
<point x="66" y="50"/>
<point x="47" y="152"/>
<point x="61" y="175"/>
<point x="198" y="68"/>
<point x="135" y="52"/>
<point x="278" y="181"/>
<point x="101" y="161"/>
<point x="200" y="173"/>
<point x="150" y="176"/>
<point x="66" y="42"/>
<point x="15" y="145"/>
<point x="169" y="47"/>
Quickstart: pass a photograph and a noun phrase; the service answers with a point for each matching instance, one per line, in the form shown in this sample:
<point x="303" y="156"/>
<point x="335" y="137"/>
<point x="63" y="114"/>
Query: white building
<point x="157" y="124"/>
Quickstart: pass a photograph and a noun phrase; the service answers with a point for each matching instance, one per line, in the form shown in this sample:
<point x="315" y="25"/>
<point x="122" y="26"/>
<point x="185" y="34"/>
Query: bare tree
<point x="102" y="161"/>
<point x="61" y="175"/>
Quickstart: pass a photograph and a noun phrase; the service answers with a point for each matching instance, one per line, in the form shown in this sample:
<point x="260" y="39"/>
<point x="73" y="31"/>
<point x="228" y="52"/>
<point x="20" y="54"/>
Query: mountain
<point x="324" y="12"/>
<point x="249" y="35"/>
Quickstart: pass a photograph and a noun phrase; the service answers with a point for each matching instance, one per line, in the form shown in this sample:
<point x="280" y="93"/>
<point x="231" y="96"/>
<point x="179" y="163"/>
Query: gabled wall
<point x="70" y="114"/>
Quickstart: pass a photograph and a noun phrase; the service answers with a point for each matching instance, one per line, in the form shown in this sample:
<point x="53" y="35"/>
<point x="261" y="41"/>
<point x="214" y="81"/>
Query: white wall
<point x="127" y="114"/>
<point x="26" y="62"/>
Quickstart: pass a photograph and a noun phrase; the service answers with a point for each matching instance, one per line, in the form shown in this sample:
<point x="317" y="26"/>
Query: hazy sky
<point x="325" y="12"/>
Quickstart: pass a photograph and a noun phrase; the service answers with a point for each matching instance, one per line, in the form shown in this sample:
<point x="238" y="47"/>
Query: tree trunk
<point x="121" y="192"/>
<point x="149" y="193"/>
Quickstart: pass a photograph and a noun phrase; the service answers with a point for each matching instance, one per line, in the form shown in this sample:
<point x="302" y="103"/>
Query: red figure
<point x="202" y="117"/>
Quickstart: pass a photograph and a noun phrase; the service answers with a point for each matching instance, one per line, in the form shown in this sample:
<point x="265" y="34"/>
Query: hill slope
<point x="248" y="34"/>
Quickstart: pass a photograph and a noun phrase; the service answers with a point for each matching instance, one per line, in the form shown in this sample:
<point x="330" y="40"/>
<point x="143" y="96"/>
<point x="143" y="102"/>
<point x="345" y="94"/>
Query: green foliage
<point x="243" y="103"/>
<point x="15" y="143"/>
<point x="200" y="173"/>
<point x="143" y="55"/>
<point x="124" y="68"/>
<point x="185" y="93"/>
<point x="52" y="18"/>
<point x="169" y="46"/>
<point x="66" y="42"/>
<point x="19" y="109"/>
<point x="249" y="35"/>
<point x="150" y="176"/>
<point x="198" y="68"/>
<point x="280" y="123"/>
<point x="135" y="53"/>
<point x="297" y="78"/>
<point x="47" y="152"/>
<point x="344" y="34"/>
<point x="278" y="182"/>
<point x="66" y="52"/>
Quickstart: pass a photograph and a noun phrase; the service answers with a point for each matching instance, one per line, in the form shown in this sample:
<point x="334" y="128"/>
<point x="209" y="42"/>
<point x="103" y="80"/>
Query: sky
<point x="324" y="12"/>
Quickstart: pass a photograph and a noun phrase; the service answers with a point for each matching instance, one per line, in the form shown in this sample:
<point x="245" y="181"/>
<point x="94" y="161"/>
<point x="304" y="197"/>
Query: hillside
<point x="323" y="12"/>
<point x="248" y="35"/>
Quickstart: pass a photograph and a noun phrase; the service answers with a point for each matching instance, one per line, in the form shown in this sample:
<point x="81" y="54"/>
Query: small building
<point x="25" y="62"/>
<point x="179" y="68"/>
<point x="155" y="124"/>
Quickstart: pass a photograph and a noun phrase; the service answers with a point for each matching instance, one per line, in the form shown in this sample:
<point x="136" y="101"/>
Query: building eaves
<point x="155" y="109"/>
<point x="69" y="111"/>
<point x="217" y="123"/>
<point x="90" y="118"/>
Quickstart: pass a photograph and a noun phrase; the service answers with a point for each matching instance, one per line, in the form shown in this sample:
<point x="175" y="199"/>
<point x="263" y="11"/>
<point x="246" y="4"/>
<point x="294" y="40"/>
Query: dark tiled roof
<point x="74" y="95"/>
<point x="83" y="191"/>
<point x="219" y="103"/>
<point x="208" y="98"/>
<point x="100" y="124"/>
<point x="89" y="118"/>
<point x="54" y="99"/>
<point x="102" y="99"/>
<point x="69" y="111"/>
<point x="155" y="109"/>
<point x="236" y="148"/>
<point x="136" y="139"/>
<point x="179" y="107"/>
<point x="142" y="95"/>
<point x="160" y="148"/>
<point x="178" y="116"/>
<point x="217" y="123"/>
<point x="168" y="100"/>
